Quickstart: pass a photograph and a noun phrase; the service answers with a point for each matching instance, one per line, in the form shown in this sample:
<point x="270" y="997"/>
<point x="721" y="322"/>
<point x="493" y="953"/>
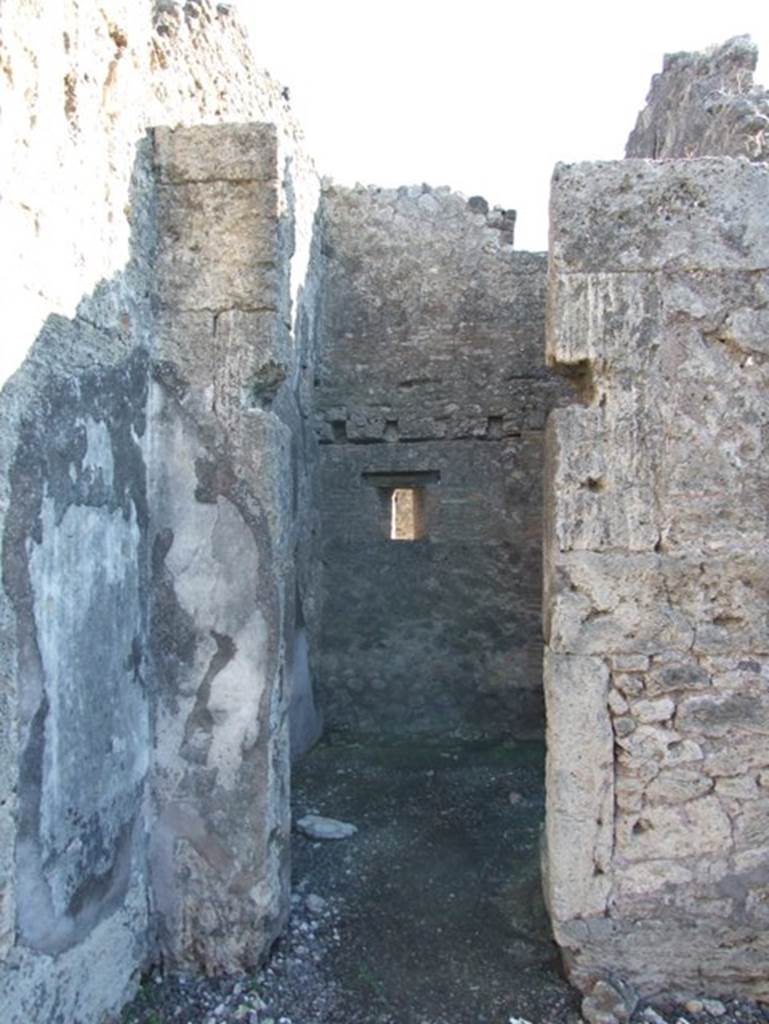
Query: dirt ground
<point x="438" y="895"/>
<point x="431" y="913"/>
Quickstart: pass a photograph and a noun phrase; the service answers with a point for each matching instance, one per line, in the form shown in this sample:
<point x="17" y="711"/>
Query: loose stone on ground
<point x="316" y="827"/>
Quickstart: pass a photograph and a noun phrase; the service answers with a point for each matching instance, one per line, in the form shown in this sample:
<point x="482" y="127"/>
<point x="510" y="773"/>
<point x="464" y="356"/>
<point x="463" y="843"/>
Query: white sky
<point x="483" y="96"/>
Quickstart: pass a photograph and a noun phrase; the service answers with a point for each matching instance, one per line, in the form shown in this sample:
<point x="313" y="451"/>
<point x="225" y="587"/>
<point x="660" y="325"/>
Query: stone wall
<point x="430" y="374"/>
<point x="179" y="304"/>
<point x="705" y="104"/>
<point x="656" y="589"/>
<point x="75" y="744"/>
<point x="88" y="445"/>
<point x="81" y="82"/>
<point x="225" y="472"/>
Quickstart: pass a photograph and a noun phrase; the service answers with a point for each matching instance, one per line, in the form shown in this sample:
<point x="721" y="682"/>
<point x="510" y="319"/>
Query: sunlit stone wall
<point x="656" y="594"/>
<point x="81" y="218"/>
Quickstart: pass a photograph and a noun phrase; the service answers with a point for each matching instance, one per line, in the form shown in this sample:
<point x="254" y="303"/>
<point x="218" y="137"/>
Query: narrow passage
<point x="432" y="912"/>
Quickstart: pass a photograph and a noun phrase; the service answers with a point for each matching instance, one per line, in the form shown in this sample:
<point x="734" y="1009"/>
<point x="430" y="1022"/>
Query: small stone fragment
<point x="694" y="1006"/>
<point x="478" y="204"/>
<point x="315" y="904"/>
<point x="617" y="703"/>
<point x="316" y="827"/>
<point x="631" y="685"/>
<point x="648" y="711"/>
<point x="624" y="726"/>
<point x="631" y="663"/>
<point x="714" y="1007"/>
<point x="604" y="1005"/>
<point x="651" y="1016"/>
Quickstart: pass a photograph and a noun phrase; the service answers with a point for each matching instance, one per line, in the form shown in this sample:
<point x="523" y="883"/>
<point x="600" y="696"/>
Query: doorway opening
<point x="430" y="680"/>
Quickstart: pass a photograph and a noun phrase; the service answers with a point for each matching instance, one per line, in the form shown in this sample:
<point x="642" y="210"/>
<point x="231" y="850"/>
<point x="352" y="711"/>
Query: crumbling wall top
<point x="705" y="104"/>
<point x="416" y="208"/>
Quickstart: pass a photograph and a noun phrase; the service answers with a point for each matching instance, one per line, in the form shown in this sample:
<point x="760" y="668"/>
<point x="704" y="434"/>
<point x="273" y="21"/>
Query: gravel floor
<point x="430" y="914"/>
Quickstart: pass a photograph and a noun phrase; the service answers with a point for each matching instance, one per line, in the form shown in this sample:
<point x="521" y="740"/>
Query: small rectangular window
<point x="404" y="496"/>
<point x="407" y="513"/>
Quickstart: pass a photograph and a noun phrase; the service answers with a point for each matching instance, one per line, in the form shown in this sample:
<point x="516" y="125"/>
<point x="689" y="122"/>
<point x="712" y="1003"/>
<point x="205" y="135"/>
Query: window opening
<point x="407" y="513"/>
<point x="405" y="498"/>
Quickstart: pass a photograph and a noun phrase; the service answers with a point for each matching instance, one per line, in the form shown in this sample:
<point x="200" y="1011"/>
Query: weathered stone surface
<point x="658" y="231"/>
<point x="79" y="91"/>
<point x="159" y="507"/>
<point x="224" y="533"/>
<point x="655" y="532"/>
<point x="677" y="785"/>
<point x="75" y="730"/>
<point x="657" y="939"/>
<point x="660" y="710"/>
<point x="220" y="155"/>
<point x="81" y="701"/>
<point x="584" y="468"/>
<point x="218" y="217"/>
<point x="610" y="603"/>
<point x="705" y="104"/>
<point x="580" y="787"/>
<point x="695" y="828"/>
<point x="431" y="362"/>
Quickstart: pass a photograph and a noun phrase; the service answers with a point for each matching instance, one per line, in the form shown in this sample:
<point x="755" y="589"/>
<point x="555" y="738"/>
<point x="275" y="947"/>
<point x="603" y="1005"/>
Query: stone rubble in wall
<point x="657" y="588"/>
<point x="612" y="1002"/>
<point x="408" y="202"/>
<point x="468" y="251"/>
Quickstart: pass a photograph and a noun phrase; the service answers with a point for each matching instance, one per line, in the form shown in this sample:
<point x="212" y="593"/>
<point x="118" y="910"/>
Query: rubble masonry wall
<point x="657" y="650"/>
<point x="430" y="362"/>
